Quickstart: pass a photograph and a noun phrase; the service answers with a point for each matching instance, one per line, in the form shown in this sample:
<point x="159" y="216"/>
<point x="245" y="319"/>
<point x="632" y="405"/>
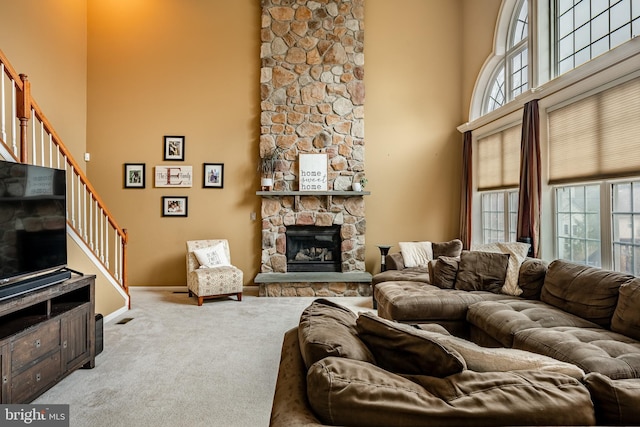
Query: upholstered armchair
<point x="209" y="270"/>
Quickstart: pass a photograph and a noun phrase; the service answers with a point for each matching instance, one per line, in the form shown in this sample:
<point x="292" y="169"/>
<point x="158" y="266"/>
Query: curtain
<point x="528" y="229"/>
<point x="466" y="192"/>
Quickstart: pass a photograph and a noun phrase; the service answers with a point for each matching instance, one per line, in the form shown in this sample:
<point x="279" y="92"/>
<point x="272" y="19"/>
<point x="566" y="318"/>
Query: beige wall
<point x="170" y="67"/>
<point x="47" y="41"/>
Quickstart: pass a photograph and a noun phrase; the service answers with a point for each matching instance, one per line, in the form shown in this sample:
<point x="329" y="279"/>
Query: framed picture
<point x="134" y="175"/>
<point x="213" y="175"/>
<point x="173" y="176"/>
<point x="174" y="148"/>
<point x="174" y="206"/>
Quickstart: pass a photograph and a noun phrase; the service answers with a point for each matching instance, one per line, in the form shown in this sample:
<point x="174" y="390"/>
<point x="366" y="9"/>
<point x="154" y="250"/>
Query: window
<point x="625" y="219"/>
<point x="588" y="28"/>
<point x="511" y="75"/>
<point x="499" y="216"/>
<point x="578" y="224"/>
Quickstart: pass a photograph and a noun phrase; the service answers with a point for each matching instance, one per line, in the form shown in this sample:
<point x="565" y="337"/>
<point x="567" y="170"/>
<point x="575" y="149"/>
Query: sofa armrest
<point x="394" y="261"/>
<point x="290" y="405"/>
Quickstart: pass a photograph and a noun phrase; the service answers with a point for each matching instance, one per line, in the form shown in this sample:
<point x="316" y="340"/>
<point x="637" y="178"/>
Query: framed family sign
<point x="173" y="176"/>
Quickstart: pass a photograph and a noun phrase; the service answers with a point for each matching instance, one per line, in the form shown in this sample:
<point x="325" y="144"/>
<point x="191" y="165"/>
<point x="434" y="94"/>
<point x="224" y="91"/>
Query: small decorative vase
<point x="266" y="184"/>
<point x="356" y="186"/>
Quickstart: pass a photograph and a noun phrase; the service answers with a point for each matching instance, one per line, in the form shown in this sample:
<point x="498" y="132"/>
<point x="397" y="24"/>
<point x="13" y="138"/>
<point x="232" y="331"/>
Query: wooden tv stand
<point x="45" y="335"/>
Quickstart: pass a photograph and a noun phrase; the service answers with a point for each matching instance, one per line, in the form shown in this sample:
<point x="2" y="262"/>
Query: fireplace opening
<point x="313" y="249"/>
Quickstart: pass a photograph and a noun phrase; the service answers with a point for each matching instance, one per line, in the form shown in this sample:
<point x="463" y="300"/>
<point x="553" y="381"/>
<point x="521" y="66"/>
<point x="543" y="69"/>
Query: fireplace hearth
<point x="313" y="249"/>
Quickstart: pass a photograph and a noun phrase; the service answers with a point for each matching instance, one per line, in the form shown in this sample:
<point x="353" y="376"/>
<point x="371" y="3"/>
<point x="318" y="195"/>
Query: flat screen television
<point x="33" y="227"/>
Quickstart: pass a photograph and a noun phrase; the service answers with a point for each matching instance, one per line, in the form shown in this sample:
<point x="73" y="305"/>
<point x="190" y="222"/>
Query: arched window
<point x="510" y="77"/>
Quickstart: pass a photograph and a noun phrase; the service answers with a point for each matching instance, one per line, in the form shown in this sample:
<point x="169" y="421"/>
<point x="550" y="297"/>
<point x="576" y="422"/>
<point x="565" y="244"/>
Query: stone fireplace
<point x="312" y="102"/>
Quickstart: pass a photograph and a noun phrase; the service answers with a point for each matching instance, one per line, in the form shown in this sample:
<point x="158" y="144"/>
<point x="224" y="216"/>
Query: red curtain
<point x="528" y="229"/>
<point x="466" y="192"/>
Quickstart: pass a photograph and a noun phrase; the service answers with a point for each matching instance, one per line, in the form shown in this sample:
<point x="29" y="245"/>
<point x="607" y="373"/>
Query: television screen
<point x="33" y="235"/>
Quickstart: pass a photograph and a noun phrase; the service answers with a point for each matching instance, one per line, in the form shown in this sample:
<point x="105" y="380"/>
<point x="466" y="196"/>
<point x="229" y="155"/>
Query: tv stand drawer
<point x="35" y="344"/>
<point x="35" y="379"/>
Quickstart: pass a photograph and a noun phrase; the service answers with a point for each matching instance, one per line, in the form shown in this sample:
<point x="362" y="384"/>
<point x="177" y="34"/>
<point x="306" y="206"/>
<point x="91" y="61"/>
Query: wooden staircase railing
<point x="29" y="137"/>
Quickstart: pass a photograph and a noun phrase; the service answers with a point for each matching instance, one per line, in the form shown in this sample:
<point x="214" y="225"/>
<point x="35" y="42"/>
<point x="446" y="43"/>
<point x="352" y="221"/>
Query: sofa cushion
<point x="617" y="402"/>
<point x="403" y="349"/>
<point x="452" y="248"/>
<point x="592" y="349"/>
<point x="588" y="292"/>
<point x="626" y="317"/>
<point x="531" y="277"/>
<point x="517" y="253"/>
<point x="353" y="393"/>
<point x="444" y="272"/>
<point x="416" y="254"/>
<point x="502" y="319"/>
<point x="414" y="274"/>
<point x="415" y="302"/>
<point x="329" y="329"/>
<point x="484" y="359"/>
<point x="482" y="271"/>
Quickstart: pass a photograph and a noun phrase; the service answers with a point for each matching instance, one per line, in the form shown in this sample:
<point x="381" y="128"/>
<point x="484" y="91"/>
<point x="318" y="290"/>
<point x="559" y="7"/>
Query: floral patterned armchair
<point x="209" y="270"/>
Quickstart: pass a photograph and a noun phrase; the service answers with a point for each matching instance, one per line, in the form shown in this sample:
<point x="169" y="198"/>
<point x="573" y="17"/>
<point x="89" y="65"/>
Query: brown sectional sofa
<point x="582" y="315"/>
<point x="341" y="369"/>
<point x="566" y="351"/>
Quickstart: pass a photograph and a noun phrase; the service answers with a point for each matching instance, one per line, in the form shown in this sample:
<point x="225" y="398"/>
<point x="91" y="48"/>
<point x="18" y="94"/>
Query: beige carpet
<point x="176" y="364"/>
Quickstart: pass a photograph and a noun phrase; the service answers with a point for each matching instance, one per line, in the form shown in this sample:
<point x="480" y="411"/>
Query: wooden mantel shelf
<point x="313" y="193"/>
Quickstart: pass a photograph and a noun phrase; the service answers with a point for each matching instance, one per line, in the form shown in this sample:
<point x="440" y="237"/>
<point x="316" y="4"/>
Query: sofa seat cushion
<point x="617" y="402"/>
<point x="354" y="393"/>
<point x="414" y="302"/>
<point x="592" y="349"/>
<point x="412" y="274"/>
<point x="485" y="359"/>
<point x="501" y="320"/>
<point x="329" y="329"/>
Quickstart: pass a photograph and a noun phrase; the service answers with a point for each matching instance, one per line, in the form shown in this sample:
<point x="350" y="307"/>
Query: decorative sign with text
<point x="313" y="172"/>
<point x="174" y="176"/>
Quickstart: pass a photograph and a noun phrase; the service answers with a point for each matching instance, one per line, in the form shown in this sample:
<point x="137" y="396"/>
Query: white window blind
<point x="596" y="137"/>
<point x="499" y="159"/>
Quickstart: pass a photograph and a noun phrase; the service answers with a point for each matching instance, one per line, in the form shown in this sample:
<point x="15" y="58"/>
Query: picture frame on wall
<point x="175" y="206"/>
<point x="134" y="175"/>
<point x="213" y="175"/>
<point x="174" y="148"/>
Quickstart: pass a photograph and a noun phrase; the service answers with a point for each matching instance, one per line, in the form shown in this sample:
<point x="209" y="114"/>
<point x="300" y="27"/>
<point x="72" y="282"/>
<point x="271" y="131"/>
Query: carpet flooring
<point x="176" y="364"/>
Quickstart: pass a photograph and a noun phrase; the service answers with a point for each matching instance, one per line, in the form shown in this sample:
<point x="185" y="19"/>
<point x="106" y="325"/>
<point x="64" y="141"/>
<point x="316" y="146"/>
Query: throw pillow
<point x="416" y="254"/>
<point x="531" y="277"/>
<point x="329" y="329"/>
<point x="626" y="318"/>
<point x="405" y="350"/>
<point x="517" y="253"/>
<point x="212" y="256"/>
<point x="452" y="248"/>
<point x="482" y="271"/>
<point x="445" y="271"/>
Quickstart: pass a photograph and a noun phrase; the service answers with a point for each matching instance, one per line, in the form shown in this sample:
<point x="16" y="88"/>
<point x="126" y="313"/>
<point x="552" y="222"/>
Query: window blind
<point x="596" y="137"/>
<point x="499" y="159"/>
